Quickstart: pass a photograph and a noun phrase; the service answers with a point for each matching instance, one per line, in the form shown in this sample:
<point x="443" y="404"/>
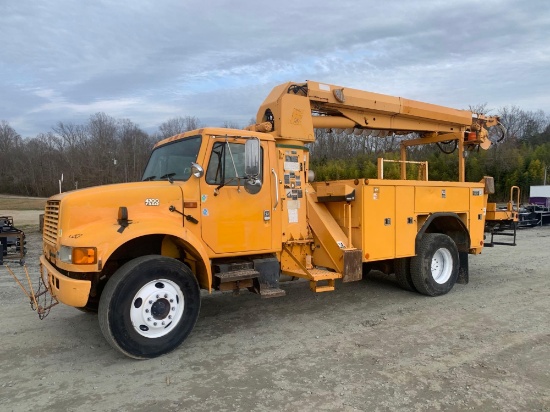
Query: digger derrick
<point x="231" y="210"/>
<point x="327" y="106"/>
<point x="295" y="110"/>
<point x="346" y="218"/>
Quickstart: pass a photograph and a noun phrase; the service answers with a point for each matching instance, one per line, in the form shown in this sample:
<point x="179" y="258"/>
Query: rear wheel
<point x="434" y="269"/>
<point x="402" y="268"/>
<point x="149" y="306"/>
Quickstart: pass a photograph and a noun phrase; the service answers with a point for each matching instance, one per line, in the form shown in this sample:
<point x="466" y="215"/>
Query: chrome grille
<point x="51" y="220"/>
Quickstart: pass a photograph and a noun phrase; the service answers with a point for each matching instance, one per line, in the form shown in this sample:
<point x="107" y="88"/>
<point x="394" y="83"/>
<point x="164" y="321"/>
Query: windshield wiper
<point x="149" y="178"/>
<point x="169" y="176"/>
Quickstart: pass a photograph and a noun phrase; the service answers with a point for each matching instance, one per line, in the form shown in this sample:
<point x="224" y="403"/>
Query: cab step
<point x="235" y="275"/>
<point x="236" y="278"/>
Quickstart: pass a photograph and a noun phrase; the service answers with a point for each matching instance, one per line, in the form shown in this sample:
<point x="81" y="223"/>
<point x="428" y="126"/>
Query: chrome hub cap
<point x="157" y="308"/>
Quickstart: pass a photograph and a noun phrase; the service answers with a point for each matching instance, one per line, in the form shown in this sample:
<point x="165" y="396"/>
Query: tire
<point x="434" y="269"/>
<point x="402" y="268"/>
<point x="149" y="306"/>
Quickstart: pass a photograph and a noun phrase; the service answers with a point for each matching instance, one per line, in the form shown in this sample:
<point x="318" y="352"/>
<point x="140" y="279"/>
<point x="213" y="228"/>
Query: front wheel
<point x="149" y="306"/>
<point x="434" y="269"/>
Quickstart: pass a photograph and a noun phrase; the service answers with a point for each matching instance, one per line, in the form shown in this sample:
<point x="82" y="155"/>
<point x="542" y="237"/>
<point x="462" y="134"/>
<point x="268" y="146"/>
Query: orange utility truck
<point x="226" y="209"/>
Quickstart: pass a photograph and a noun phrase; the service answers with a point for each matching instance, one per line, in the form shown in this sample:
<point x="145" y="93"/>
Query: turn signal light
<point x="84" y="255"/>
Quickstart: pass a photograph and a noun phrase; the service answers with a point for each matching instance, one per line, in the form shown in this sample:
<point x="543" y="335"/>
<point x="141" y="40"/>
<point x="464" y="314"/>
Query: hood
<point x="141" y="199"/>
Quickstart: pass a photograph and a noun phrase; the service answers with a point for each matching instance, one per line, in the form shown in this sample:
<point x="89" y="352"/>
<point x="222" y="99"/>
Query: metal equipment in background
<point x="503" y="222"/>
<point x="12" y="241"/>
<point x="13" y="250"/>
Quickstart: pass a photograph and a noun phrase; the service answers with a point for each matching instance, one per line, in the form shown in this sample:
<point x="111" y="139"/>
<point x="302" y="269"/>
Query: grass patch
<point x="21" y="203"/>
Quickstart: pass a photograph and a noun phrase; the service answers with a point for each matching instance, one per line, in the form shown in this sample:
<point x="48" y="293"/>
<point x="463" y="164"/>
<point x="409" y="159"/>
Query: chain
<point x="42" y="296"/>
<point x="39" y="300"/>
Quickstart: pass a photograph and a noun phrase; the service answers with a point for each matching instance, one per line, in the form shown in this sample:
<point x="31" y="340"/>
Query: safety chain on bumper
<point x="42" y="296"/>
<point x="39" y="301"/>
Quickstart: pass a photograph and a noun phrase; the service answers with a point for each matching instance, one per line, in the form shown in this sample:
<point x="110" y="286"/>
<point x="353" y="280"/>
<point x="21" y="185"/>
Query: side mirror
<point x="252" y="158"/>
<point x="252" y="164"/>
<point x="197" y="170"/>
<point x="252" y="185"/>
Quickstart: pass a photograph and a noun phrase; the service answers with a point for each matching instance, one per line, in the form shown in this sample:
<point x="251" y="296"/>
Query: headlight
<point x="78" y="255"/>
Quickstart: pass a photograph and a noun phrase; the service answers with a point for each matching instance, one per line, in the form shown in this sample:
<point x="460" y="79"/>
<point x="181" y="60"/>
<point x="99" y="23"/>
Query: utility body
<point x="226" y="209"/>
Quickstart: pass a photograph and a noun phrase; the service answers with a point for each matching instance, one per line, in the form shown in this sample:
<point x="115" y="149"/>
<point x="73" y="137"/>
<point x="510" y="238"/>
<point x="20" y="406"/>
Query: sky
<point x="150" y="61"/>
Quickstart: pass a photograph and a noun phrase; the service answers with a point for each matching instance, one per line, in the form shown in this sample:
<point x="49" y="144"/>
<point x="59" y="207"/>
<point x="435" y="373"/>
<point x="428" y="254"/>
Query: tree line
<point x="101" y="151"/>
<point x="106" y="150"/>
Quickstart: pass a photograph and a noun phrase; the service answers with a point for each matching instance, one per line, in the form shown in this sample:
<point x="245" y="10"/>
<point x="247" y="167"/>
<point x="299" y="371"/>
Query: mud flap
<point x="463" y="272"/>
<point x="353" y="265"/>
<point x="268" y="281"/>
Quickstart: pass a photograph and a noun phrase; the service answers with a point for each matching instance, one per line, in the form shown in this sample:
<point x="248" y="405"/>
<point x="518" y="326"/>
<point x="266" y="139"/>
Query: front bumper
<point x="69" y="291"/>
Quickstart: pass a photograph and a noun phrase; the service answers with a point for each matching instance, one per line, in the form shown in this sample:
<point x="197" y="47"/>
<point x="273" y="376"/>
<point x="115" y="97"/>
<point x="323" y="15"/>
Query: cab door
<point x="233" y="220"/>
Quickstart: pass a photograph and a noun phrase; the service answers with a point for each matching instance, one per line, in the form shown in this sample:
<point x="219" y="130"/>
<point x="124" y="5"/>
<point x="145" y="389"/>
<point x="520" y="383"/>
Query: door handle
<point x="276" y="188"/>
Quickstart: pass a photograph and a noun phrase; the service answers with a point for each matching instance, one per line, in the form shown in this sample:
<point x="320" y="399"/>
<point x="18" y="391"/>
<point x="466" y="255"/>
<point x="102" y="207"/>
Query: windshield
<point x="173" y="160"/>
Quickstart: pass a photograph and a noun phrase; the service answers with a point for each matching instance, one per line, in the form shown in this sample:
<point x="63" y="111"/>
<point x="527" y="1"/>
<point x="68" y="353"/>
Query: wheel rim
<point x="442" y="265"/>
<point x="157" y="308"/>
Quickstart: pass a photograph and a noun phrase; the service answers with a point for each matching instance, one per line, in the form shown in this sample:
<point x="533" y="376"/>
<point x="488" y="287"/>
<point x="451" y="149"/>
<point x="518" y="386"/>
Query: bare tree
<point x="134" y="147"/>
<point x="102" y="130"/>
<point x="74" y="139"/>
<point x="521" y="124"/>
<point x="178" y="125"/>
<point x="9" y="142"/>
<point x="231" y="125"/>
<point x="342" y="144"/>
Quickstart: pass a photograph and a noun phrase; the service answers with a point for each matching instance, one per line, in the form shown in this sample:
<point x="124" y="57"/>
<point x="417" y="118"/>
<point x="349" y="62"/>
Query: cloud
<point x="149" y="61"/>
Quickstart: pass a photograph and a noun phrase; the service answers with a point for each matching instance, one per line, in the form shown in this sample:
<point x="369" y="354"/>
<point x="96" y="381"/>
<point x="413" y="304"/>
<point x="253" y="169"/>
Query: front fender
<point x="108" y="237"/>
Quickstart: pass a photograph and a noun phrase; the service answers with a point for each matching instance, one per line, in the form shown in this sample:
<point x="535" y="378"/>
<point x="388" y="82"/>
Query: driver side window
<point x="226" y="164"/>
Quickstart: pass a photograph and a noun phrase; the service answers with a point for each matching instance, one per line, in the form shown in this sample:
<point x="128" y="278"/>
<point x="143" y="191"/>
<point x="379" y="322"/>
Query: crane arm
<point x="293" y="110"/>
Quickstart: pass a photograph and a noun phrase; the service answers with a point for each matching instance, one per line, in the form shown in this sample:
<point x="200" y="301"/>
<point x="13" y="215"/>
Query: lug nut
<point x="165" y="295"/>
<point x="169" y="316"/>
<point x="146" y="310"/>
<point x="173" y="308"/>
<point x="171" y="300"/>
<point x="148" y="319"/>
<point x="163" y="323"/>
<point x="150" y="302"/>
<point x="155" y="323"/>
<point x="158" y="296"/>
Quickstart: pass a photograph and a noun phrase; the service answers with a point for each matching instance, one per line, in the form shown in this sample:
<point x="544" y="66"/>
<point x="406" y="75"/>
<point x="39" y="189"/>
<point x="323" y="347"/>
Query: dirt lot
<point x="367" y="346"/>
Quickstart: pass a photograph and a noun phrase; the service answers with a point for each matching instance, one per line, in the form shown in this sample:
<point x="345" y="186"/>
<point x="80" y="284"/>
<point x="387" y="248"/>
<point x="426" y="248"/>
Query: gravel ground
<point x="367" y="346"/>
